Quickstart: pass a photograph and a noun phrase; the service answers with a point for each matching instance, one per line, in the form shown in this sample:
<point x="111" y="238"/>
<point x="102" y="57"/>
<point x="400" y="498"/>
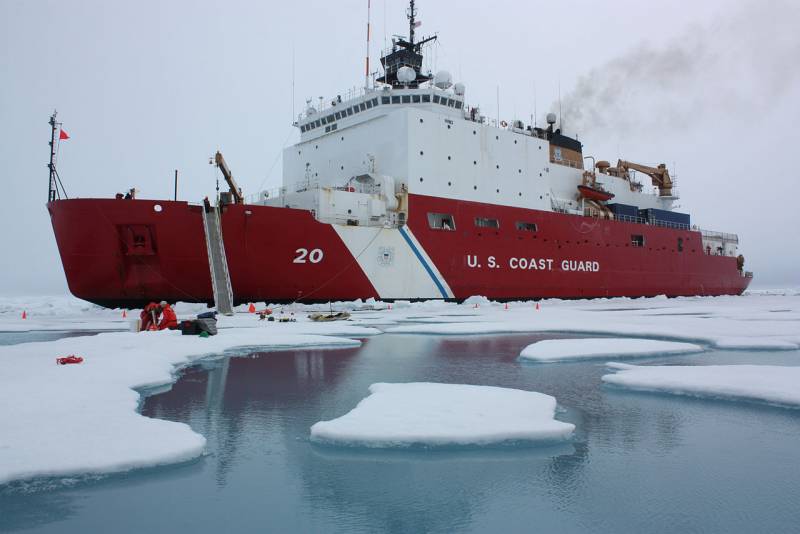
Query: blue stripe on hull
<point x="423" y="262"/>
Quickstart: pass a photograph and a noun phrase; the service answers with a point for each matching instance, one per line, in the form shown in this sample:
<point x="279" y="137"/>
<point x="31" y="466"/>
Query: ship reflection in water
<point x="638" y="462"/>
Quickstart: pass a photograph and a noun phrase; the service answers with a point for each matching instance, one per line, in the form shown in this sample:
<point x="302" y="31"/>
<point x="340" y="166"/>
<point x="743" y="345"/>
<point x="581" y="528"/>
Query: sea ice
<point x="553" y="350"/>
<point x="773" y="384"/>
<point x="423" y="413"/>
<point x="72" y="419"/>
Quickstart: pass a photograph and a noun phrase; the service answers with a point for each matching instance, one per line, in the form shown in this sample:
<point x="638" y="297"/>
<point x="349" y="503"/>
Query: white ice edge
<point x="771" y="384"/>
<point x="83" y="418"/>
<point x="431" y="414"/>
<point x="556" y="350"/>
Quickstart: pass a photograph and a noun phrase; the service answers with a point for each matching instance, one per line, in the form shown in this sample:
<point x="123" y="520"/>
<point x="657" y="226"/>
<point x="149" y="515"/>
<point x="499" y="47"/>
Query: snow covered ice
<point x="423" y="413"/>
<point x="772" y="384"/>
<point x="554" y="350"/>
<point x="66" y="420"/>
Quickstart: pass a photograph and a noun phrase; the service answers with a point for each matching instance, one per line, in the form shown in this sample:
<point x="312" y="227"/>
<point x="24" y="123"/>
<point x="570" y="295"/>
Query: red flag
<point x="62" y="135"/>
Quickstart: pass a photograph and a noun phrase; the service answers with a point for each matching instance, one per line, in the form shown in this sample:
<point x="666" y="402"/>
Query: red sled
<point x="69" y="359"/>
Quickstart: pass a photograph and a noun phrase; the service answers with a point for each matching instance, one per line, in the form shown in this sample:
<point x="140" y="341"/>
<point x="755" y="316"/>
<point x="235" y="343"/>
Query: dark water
<point x="14" y="338"/>
<point x="638" y="463"/>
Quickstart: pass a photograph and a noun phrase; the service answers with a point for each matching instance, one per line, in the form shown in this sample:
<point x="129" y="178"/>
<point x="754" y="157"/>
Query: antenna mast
<point x="51" y="189"/>
<point x="412" y="22"/>
<point x="369" y="17"/>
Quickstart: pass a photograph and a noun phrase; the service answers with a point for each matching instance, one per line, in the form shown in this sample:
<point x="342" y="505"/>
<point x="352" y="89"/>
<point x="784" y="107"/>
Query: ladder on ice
<point x="217" y="262"/>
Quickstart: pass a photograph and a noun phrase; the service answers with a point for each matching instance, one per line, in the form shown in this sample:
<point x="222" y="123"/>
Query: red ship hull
<point x="124" y="253"/>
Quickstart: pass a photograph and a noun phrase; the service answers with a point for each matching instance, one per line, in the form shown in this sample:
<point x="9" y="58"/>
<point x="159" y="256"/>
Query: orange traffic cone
<point x="506" y="306"/>
<point x="251" y="308"/>
<point x="124" y="314"/>
<point x="390" y="305"/>
<point x="24" y="315"/>
<point x="476" y="305"/>
<point x="537" y="306"/>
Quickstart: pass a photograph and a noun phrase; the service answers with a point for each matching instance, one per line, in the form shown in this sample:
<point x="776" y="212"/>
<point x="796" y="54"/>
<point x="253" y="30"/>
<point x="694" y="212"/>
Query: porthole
<point x="342" y="167"/>
<point x="515" y="141"/>
<point x="474" y="132"/>
<point x="497" y="137"/>
<point x="475" y="187"/>
<point x="421" y="153"/>
<point x="498" y="166"/>
<point x="420" y="178"/>
<point x="498" y="191"/>
<point x="520" y="194"/>
<point x="421" y="121"/>
<point x="449" y="183"/>
<point x="519" y="171"/>
<point x="474" y="162"/>
<point x="157" y="208"/>
<point x="448" y="126"/>
<point x="449" y="158"/>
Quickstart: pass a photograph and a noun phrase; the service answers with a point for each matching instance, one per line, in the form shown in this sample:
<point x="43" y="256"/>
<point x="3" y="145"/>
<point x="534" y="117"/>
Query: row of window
<point x="445" y="221"/>
<point x="369" y="104"/>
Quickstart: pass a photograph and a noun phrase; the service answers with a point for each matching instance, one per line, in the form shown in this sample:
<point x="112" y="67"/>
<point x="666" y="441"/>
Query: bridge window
<point x="416" y="99"/>
<point x="331" y="118"/>
<point x="426" y="98"/>
<point x="303" y="128"/>
<point x="435" y="99"/>
<point x="355" y="109"/>
<point x="375" y="101"/>
<point x="637" y="240"/>
<point x="481" y="222"/>
<point x="527" y="227"/>
<point x="395" y="99"/>
<point x="385" y="100"/>
<point x="349" y="111"/>
<point x="369" y="104"/>
<point x="338" y="115"/>
<point x="406" y="99"/>
<point x="363" y="106"/>
<point x="441" y="221"/>
<point x="459" y="104"/>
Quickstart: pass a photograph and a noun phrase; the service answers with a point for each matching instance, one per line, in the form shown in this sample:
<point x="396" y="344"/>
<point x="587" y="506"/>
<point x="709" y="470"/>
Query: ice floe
<point x="553" y="350"/>
<point x="431" y="414"/>
<point x="64" y="420"/>
<point x="773" y="384"/>
<point x="759" y="321"/>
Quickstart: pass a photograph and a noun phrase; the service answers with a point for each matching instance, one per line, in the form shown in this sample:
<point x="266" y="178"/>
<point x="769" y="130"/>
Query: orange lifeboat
<point x="593" y="193"/>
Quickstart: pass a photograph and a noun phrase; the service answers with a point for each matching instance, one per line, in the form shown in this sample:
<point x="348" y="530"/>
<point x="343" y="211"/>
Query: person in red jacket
<point x="149" y="317"/>
<point x="168" y="317"/>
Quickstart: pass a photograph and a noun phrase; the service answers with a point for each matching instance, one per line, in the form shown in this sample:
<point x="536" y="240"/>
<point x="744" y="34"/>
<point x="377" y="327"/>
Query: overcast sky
<point x="710" y="88"/>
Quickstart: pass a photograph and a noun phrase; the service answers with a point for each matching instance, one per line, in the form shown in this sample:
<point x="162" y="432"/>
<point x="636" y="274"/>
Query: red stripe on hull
<point x="657" y="268"/>
<point x="125" y="253"/>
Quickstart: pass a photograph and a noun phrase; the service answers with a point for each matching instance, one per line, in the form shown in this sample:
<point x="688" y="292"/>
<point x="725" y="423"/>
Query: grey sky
<point x="147" y="87"/>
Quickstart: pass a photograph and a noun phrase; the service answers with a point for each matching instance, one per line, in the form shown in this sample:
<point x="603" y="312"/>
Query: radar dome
<point x="406" y="74"/>
<point x="551" y="118"/>
<point x="443" y="80"/>
<point x="459" y="89"/>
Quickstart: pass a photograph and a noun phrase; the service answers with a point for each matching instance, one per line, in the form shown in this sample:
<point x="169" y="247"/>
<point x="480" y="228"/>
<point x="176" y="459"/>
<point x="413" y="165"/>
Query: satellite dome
<point x="406" y="75"/>
<point x="443" y="80"/>
<point x="459" y="89"/>
<point x="551" y="118"/>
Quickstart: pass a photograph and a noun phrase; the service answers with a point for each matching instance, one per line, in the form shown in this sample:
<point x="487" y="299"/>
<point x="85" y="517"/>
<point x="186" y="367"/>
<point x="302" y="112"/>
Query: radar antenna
<point x="406" y="53"/>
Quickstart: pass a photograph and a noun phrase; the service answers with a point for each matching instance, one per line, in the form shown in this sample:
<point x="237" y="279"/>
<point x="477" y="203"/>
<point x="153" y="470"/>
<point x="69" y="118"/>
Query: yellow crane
<point x="659" y="175"/>
<point x="235" y="190"/>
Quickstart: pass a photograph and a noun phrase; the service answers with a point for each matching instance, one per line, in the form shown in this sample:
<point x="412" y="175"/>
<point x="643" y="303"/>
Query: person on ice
<point x="168" y="317"/>
<point x="149" y="317"/>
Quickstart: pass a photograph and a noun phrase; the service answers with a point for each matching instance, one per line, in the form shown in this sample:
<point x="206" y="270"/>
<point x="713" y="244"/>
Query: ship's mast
<point x="412" y="14"/>
<point x="52" y="190"/>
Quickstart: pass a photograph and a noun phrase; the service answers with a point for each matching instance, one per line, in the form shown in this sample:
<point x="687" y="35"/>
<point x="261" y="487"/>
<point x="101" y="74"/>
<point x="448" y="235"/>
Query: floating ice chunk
<point x="755" y="343"/>
<point x="480" y="300"/>
<point x="553" y="350"/>
<point x="773" y="384"/>
<point x="424" y="413"/>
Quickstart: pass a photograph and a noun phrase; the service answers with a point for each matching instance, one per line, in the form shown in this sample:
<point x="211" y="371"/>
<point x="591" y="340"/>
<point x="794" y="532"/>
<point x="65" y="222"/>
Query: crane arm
<point x="226" y="172"/>
<point x="659" y="175"/>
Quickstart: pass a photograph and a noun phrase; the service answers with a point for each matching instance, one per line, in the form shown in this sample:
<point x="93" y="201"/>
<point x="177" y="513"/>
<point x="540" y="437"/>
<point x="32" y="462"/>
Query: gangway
<point x="217" y="261"/>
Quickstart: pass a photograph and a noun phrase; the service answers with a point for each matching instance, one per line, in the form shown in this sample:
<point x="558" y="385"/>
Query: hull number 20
<point x="304" y="256"/>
